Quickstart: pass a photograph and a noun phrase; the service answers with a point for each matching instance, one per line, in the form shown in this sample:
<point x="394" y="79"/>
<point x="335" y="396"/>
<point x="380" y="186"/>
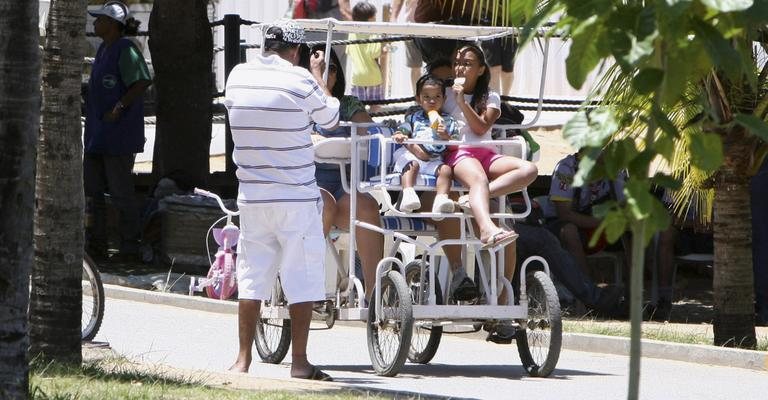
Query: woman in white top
<point x="478" y="166"/>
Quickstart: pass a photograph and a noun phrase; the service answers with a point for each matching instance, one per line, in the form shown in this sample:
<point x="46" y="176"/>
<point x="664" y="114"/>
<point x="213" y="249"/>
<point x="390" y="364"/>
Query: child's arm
<point x="418" y="151"/>
<point x="478" y="123"/>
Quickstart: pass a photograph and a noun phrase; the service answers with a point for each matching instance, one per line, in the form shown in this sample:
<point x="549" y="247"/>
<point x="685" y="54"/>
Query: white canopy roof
<point x="408" y="29"/>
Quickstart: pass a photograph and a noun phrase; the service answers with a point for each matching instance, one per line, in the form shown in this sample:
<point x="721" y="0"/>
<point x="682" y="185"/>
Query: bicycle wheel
<point x="273" y="335"/>
<point x="539" y="344"/>
<point x="426" y="337"/>
<point x="93" y="300"/>
<point x="389" y="339"/>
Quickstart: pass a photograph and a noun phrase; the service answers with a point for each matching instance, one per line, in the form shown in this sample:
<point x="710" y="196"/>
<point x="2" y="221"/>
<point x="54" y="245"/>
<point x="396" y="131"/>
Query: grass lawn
<point x="116" y="378"/>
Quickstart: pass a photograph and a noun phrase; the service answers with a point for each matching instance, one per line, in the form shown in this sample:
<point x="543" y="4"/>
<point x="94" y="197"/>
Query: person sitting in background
<point x="426" y="124"/>
<point x="336" y="202"/>
<point x="573" y="222"/>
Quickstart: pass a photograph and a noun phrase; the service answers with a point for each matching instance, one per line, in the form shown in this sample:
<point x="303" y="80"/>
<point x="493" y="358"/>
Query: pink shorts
<point x="484" y="155"/>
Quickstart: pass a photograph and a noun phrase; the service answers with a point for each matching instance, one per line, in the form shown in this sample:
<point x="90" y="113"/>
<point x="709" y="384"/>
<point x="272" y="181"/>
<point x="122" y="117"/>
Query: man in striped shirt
<point x="272" y="105"/>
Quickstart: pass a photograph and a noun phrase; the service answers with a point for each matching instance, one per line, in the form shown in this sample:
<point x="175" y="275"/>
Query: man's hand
<point x="317" y="64"/>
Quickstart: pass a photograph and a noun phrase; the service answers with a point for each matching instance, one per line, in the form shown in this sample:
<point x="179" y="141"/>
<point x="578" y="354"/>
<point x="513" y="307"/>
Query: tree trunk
<point x="55" y="304"/>
<point x="734" y="323"/>
<point x="19" y="123"/>
<point x="181" y="44"/>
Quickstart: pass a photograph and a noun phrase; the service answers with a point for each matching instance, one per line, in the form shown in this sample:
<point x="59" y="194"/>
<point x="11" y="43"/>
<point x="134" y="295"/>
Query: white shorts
<point x="403" y="157"/>
<point x="285" y="238"/>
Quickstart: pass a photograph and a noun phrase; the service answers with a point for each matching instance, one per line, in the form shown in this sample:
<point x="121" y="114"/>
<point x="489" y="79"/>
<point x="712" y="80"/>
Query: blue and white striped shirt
<point x="272" y="106"/>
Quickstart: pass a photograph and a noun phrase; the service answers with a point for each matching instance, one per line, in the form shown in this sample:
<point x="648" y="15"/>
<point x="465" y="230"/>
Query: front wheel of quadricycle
<point x="93" y="300"/>
<point x="539" y="344"/>
<point x="273" y="335"/>
<point x="425" y="338"/>
<point x="389" y="338"/>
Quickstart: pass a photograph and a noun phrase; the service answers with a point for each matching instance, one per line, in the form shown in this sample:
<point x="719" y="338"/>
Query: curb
<point x="693" y="353"/>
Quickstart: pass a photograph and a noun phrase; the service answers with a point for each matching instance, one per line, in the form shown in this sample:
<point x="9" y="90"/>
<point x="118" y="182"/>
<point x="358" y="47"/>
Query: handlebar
<point x="218" y="200"/>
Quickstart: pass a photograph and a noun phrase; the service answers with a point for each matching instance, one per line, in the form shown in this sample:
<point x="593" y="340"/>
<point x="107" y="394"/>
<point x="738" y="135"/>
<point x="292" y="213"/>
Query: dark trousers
<point x="539" y="241"/>
<point x="104" y="174"/>
<point x="759" y="192"/>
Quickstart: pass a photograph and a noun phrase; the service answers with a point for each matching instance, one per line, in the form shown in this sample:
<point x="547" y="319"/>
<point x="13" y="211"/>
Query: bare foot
<point x="240" y="366"/>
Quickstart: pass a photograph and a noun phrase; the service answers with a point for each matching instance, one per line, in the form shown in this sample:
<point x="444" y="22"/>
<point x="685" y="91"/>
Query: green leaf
<point x="590" y="129"/>
<point x="647" y="80"/>
<point x="659" y="220"/>
<point x="583" y="56"/>
<point x="666" y="181"/>
<point x="728" y="5"/>
<point x="586" y="164"/>
<point x="706" y="151"/>
<point x="615" y="225"/>
<point x="640" y="49"/>
<point x="602" y="209"/>
<point x="757" y="126"/>
<point x="664" y="142"/>
<point x="583" y="9"/>
<point x="641" y="164"/>
<point x="618" y="154"/>
<point x="720" y="51"/>
<point x="639" y="198"/>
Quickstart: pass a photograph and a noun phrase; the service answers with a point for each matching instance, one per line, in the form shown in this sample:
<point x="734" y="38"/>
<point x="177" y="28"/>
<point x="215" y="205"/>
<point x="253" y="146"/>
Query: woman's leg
<point x="470" y="173"/>
<point x="510" y="174"/>
<point x="329" y="211"/>
<point x="370" y="244"/>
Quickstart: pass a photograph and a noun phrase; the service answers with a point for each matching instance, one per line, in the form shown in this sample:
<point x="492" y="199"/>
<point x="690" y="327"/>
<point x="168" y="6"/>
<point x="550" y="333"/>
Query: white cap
<point x="114" y="9"/>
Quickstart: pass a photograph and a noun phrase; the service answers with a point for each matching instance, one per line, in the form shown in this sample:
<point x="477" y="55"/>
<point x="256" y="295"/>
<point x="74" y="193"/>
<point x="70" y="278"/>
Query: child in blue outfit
<point x="426" y="124"/>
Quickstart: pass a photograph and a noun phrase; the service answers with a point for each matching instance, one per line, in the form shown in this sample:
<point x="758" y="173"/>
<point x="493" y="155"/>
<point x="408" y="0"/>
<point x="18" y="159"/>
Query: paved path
<point x="462" y="368"/>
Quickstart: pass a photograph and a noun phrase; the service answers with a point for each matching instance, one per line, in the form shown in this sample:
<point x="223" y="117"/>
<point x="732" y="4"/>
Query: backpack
<point x="510" y="115"/>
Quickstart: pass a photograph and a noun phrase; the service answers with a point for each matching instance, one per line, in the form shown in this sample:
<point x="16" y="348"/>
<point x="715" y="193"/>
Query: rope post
<point x="231" y="59"/>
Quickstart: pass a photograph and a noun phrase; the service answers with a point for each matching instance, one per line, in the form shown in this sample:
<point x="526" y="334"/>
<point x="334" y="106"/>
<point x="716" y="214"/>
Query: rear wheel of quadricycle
<point x="389" y="336"/>
<point x="539" y="344"/>
<point x="93" y="300"/>
<point x="426" y="337"/>
<point x="273" y="335"/>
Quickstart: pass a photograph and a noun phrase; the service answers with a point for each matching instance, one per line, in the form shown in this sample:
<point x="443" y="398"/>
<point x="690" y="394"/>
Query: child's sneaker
<point x="441" y="205"/>
<point x="410" y="201"/>
<point x="462" y="288"/>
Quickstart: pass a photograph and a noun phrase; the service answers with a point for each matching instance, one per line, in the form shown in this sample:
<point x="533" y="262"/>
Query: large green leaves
<point x="584" y="54"/>
<point x="728" y="5"/>
<point x="757" y="126"/>
<point x="706" y="151"/>
<point x="590" y="128"/>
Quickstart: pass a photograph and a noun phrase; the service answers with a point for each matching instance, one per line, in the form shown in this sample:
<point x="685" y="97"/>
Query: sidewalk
<point x="579" y="335"/>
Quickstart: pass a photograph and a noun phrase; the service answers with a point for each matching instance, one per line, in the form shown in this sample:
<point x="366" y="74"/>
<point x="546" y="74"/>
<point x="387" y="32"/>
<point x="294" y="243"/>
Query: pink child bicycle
<point x="273" y="335"/>
<point x="221" y="281"/>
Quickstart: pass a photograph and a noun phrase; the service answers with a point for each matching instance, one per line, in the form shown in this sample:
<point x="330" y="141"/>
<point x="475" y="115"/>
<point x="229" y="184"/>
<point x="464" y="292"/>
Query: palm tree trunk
<point x="181" y="43"/>
<point x="19" y="108"/>
<point x="55" y="304"/>
<point x="734" y="323"/>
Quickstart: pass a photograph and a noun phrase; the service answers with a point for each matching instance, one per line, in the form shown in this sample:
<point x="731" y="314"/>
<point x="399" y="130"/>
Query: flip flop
<point x="500" y="238"/>
<point x="316" y="375"/>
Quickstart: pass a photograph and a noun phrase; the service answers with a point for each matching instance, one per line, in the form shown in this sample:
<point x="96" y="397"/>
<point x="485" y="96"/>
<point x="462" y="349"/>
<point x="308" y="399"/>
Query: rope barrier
<point x="547" y="101"/>
<point x="141" y="33"/>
